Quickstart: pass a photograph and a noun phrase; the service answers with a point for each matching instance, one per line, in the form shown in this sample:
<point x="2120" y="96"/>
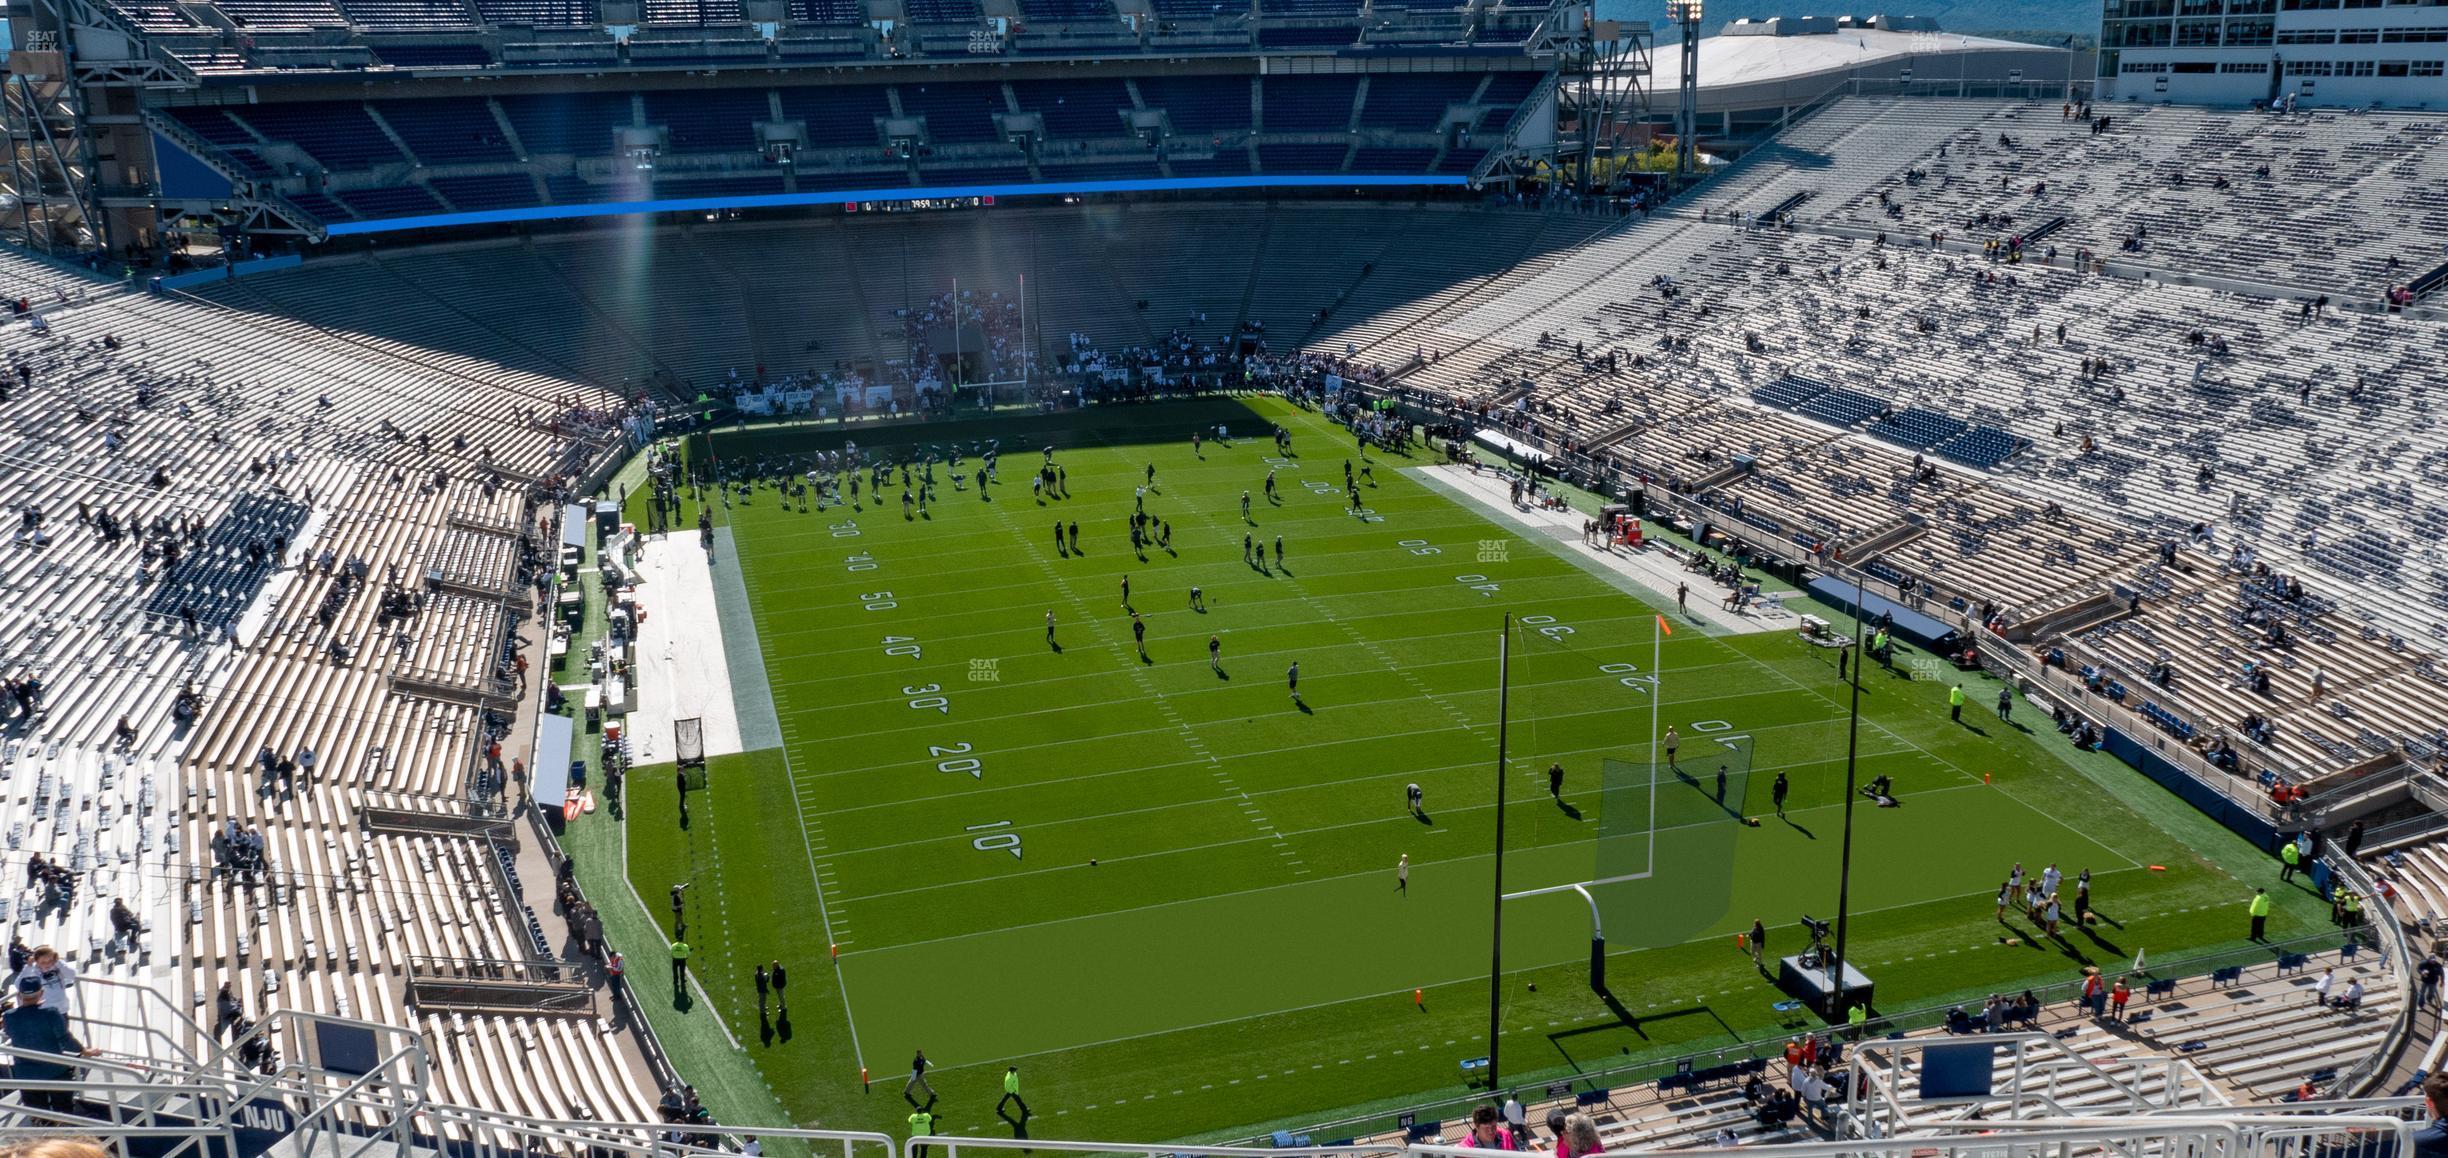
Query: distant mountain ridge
<point x="2013" y="19"/>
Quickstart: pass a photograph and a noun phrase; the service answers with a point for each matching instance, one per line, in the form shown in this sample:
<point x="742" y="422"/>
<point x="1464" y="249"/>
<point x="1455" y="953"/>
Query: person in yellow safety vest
<point x="922" y="1124"/>
<point x="2349" y="909"/>
<point x="1011" y="1093"/>
<point x="1858" y="1019"/>
<point x="2290" y="858"/>
<point x="1955" y="702"/>
<point x="2260" y="909"/>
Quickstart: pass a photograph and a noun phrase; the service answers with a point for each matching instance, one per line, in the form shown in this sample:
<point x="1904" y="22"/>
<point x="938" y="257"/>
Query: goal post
<point x="688" y="743"/>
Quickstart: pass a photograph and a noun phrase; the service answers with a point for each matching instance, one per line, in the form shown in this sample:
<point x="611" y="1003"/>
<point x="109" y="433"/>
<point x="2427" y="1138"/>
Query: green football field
<point x="1167" y="889"/>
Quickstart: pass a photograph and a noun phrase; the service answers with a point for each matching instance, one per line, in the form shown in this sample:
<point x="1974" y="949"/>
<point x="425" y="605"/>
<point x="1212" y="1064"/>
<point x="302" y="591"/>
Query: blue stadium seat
<point x="718" y="187"/>
<point x="1101" y="171"/>
<point x="539" y="13"/>
<point x="1200" y="105"/>
<point x="1511" y="88"/>
<point x="1461" y="160"/>
<point x="1916" y="428"/>
<point x="1309" y="104"/>
<point x="409" y="15"/>
<point x="942" y="11"/>
<point x="1077" y="108"/>
<point x="840" y="116"/>
<point x="320" y="205"/>
<point x="1843" y="407"/>
<point x="576" y="123"/>
<point x="1229" y="162"/>
<point x="692" y="13"/>
<point x="337" y="133"/>
<point x="1303" y="159"/>
<point x="433" y="55"/>
<point x="1982" y="446"/>
<point x="956" y="111"/>
<point x="447" y="130"/>
<point x="1373" y="159"/>
<point x="1415" y="102"/>
<point x="395" y="201"/>
<point x="829" y="11"/>
<point x="708" y="120"/>
<point x="1789" y="392"/>
<point x="501" y="191"/>
<point x="1068" y="11"/>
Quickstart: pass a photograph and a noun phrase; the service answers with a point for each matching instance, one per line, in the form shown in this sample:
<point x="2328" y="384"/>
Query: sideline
<point x="1654" y="573"/>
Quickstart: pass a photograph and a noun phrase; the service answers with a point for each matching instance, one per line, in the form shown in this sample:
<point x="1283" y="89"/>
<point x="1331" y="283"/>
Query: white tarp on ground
<point x="1520" y="451"/>
<point x="549" y="779"/>
<point x="682" y="671"/>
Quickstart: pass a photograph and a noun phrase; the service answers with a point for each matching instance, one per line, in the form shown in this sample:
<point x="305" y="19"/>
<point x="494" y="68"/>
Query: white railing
<point x="2398" y="954"/>
<point x="2030" y="1089"/>
<point x="2251" y="1132"/>
<point x="948" y="1146"/>
<point x="2168" y="1137"/>
<point x="2256" y="1132"/>
<point x="200" y="1106"/>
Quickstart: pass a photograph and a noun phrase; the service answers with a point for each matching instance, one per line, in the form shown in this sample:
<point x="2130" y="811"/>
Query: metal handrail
<point x="481" y="969"/>
<point x="146" y="997"/>
<point x="1884" y="1104"/>
<point x="952" y="1145"/>
<point x="1628" y="1073"/>
<point x="2399" y="956"/>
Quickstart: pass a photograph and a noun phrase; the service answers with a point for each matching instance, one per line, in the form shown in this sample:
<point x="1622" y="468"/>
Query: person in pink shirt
<point x="1487" y="1131"/>
<point x="1579" y="1139"/>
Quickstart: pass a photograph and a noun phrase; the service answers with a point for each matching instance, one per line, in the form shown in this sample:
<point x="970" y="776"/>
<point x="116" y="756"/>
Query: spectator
<point x="37" y="1027"/>
<point x="1487" y="1131"/>
<point x="1579" y="1139"/>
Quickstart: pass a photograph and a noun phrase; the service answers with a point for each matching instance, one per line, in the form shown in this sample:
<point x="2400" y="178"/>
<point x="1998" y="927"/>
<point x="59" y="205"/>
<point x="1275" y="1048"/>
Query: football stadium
<point x="1572" y="579"/>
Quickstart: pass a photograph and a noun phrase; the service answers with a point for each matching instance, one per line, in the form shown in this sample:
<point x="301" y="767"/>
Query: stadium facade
<point x="2357" y="53"/>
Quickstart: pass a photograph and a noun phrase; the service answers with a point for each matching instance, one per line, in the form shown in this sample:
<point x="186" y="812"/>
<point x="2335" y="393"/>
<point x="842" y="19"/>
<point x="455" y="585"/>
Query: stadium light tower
<point x="1687" y="109"/>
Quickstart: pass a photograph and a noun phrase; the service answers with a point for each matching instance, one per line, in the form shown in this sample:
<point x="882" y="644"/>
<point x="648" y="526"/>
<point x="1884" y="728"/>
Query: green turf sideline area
<point x="1238" y="951"/>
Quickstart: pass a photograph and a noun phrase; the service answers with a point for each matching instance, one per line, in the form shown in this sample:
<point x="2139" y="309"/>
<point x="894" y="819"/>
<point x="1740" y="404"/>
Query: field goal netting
<point x="1664" y="857"/>
<point x="688" y="744"/>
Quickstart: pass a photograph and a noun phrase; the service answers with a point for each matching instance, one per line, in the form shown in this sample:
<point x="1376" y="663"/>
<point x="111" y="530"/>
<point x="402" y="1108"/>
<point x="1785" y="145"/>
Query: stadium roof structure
<point x="1786" y="61"/>
<point x="1731" y="58"/>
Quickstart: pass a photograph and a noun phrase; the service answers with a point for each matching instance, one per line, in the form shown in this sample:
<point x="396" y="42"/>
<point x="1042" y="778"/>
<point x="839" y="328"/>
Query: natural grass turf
<point x="1238" y="953"/>
<point x="597" y="847"/>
